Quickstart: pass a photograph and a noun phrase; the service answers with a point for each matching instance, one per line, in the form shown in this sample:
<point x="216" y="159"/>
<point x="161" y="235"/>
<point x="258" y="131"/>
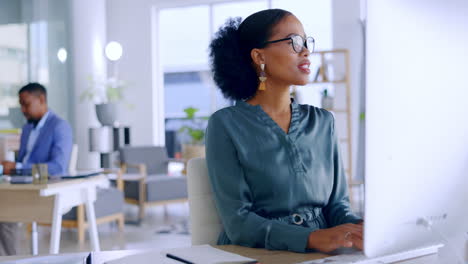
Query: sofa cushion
<point x="154" y="157"/>
<point x="159" y="188"/>
<point x="109" y="201"/>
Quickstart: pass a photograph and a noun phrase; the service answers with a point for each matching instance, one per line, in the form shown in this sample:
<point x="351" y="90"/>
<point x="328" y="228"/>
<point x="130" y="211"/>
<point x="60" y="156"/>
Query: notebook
<point x="207" y="254"/>
<point x="80" y="174"/>
<point x="25" y="179"/>
<point x="204" y="254"/>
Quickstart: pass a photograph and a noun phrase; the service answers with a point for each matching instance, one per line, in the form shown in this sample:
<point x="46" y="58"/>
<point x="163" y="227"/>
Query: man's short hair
<point x="34" y="88"/>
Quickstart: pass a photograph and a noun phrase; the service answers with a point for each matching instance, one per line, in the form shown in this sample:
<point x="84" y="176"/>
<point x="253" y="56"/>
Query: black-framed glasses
<point x="297" y="42"/>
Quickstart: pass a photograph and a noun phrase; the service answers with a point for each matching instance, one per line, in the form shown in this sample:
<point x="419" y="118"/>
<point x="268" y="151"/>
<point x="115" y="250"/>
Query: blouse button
<point x="297" y="219"/>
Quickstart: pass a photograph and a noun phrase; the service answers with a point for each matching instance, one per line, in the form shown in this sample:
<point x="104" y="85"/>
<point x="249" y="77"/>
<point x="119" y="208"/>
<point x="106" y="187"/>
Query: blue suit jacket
<point x="53" y="145"/>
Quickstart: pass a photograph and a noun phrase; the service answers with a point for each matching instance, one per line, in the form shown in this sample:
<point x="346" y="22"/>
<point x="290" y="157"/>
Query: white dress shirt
<point x="32" y="140"/>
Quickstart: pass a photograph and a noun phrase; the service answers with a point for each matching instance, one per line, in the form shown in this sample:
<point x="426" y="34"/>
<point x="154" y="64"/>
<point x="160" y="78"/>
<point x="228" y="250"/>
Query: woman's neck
<point x="274" y="100"/>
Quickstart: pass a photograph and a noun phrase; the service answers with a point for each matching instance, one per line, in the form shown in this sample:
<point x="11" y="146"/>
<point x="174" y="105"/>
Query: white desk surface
<point x="51" y="184"/>
<point x="98" y="257"/>
<point x="150" y="257"/>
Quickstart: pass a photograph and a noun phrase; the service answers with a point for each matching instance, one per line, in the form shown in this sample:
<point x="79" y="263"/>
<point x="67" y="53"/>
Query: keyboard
<point x="360" y="258"/>
<point x="19" y="179"/>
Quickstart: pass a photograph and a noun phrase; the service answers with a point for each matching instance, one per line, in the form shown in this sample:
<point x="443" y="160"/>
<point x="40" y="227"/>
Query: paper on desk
<point x="203" y="254"/>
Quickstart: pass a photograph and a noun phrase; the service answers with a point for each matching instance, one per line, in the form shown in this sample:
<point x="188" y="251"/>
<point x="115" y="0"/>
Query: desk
<point x="285" y="257"/>
<point x="46" y="203"/>
<point x="263" y="255"/>
<point x="269" y="256"/>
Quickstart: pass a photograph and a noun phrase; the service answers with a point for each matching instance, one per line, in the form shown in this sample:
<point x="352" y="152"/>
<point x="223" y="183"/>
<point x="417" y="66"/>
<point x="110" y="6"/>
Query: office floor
<point x="158" y="230"/>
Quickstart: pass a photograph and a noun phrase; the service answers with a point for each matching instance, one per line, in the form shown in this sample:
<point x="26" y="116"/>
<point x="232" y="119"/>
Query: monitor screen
<point x="416" y="126"/>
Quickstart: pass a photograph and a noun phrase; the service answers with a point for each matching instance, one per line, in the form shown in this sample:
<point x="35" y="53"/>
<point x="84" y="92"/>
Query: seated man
<point x="46" y="138"/>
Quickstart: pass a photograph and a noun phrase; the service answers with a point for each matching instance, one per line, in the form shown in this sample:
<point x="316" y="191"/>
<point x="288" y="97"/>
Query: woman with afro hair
<point x="274" y="165"/>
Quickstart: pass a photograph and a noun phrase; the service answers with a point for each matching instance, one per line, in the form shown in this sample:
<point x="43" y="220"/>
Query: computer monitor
<point x="416" y="126"/>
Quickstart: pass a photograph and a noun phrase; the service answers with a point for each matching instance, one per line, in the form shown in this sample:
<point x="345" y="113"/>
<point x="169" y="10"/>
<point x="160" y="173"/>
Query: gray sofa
<point x="145" y="177"/>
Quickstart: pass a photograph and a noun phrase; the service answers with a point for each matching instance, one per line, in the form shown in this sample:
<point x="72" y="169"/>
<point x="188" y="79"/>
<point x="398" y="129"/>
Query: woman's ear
<point x="258" y="57"/>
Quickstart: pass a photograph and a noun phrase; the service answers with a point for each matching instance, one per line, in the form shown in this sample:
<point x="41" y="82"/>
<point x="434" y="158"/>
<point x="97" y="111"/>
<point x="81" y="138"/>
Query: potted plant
<point x="327" y="100"/>
<point x="196" y="132"/>
<point x="105" y="94"/>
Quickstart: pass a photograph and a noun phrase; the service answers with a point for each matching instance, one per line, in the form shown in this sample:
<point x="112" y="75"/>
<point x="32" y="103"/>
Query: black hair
<point x="34" y="88"/>
<point x="230" y="49"/>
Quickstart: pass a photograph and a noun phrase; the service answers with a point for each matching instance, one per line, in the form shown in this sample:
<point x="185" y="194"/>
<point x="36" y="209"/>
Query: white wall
<point x="130" y="24"/>
<point x="347" y="35"/>
<point x="417" y="112"/>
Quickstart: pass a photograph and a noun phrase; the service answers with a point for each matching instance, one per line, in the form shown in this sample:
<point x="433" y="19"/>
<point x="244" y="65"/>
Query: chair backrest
<point x="73" y="160"/>
<point x="155" y="158"/>
<point x="204" y="218"/>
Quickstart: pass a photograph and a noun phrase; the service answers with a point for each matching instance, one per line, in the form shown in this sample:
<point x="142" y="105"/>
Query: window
<point x="184" y="44"/>
<point x="185" y="86"/>
<point x="13" y="64"/>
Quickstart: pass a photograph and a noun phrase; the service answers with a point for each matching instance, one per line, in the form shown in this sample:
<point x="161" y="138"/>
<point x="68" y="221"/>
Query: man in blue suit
<point x="46" y="138"/>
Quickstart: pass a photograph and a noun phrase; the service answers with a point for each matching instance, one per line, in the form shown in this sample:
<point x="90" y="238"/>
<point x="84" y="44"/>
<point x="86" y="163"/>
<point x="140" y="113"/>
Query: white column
<point x="87" y="41"/>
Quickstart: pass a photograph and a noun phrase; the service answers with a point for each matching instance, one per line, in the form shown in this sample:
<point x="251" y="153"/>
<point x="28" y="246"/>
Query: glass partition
<point x="33" y="48"/>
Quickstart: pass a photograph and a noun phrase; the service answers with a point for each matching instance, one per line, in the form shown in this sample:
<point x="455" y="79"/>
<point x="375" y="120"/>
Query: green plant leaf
<point x="190" y="111"/>
<point x="194" y="129"/>
<point x="362" y="116"/>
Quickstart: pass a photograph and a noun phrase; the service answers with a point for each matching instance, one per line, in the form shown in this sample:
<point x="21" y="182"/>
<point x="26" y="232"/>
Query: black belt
<point x="299" y="217"/>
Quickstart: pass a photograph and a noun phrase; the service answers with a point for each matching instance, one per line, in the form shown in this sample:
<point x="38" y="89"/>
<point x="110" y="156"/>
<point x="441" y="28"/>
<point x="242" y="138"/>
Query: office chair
<point x="204" y="218"/>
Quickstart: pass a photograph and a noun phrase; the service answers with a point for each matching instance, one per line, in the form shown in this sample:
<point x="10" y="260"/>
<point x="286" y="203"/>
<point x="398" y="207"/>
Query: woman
<point x="274" y="165"/>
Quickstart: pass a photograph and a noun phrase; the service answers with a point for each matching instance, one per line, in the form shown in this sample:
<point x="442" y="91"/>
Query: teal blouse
<point x="273" y="189"/>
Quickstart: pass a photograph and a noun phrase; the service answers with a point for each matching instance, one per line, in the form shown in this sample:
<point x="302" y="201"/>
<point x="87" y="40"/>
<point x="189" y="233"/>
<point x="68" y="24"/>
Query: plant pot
<point x="16" y="117"/>
<point x="190" y="151"/>
<point x="327" y="102"/>
<point x="107" y="114"/>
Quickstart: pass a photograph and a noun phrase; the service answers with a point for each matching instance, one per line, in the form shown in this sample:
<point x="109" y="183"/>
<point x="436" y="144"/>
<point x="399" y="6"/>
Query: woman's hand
<point x="326" y="240"/>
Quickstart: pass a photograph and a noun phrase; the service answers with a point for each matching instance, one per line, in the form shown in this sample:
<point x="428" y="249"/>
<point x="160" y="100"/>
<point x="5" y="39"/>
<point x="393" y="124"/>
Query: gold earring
<point x="262" y="78"/>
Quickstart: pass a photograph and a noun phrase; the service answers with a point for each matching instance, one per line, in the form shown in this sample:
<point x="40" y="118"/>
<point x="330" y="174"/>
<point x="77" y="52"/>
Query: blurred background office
<point x="163" y="67"/>
<point x="136" y="73"/>
<point x="146" y="62"/>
